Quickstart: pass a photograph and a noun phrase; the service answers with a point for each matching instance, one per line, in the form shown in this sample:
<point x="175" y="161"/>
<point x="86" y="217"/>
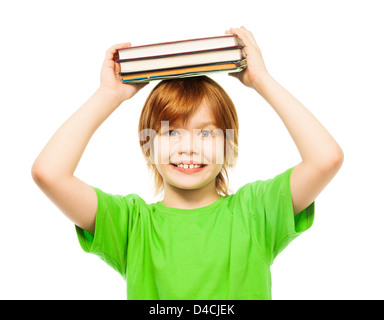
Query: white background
<point x="329" y="54"/>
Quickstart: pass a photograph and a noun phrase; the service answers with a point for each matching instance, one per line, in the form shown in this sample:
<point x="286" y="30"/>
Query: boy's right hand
<point x="110" y="77"/>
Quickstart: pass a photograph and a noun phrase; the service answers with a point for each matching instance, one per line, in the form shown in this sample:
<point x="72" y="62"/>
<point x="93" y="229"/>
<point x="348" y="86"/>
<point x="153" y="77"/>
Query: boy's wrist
<point x="110" y="95"/>
<point x="259" y="83"/>
<point x="258" y="80"/>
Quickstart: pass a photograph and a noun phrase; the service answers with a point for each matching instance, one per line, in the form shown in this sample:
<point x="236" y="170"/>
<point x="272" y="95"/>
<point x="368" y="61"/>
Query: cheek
<point x="213" y="150"/>
<point x="162" y="147"/>
<point x="162" y="169"/>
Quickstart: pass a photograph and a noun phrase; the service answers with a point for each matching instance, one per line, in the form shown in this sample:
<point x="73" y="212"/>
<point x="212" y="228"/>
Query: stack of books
<point x="185" y="58"/>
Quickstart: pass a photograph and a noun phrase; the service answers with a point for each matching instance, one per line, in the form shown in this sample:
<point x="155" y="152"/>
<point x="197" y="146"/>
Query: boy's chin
<point x="187" y="184"/>
<point x="183" y="185"/>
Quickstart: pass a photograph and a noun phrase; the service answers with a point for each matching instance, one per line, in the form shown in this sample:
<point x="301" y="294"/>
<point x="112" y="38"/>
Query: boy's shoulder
<point x="268" y="186"/>
<point x="119" y="199"/>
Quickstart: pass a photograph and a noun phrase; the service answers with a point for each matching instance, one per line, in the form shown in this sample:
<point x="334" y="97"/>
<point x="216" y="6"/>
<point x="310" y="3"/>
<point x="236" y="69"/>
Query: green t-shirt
<point x="217" y="252"/>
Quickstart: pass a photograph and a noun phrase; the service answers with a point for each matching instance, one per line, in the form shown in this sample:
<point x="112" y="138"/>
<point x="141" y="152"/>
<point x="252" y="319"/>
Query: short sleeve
<point x="274" y="221"/>
<point x="110" y="240"/>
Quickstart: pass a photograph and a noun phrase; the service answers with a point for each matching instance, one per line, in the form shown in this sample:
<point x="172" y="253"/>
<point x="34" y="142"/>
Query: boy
<point x="199" y="242"/>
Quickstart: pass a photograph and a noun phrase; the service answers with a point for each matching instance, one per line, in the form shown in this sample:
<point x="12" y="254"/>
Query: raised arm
<point x="53" y="170"/>
<point x="321" y="155"/>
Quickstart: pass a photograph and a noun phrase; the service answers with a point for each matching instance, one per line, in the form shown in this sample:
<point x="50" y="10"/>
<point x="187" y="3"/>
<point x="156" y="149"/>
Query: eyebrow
<point x="207" y="123"/>
<point x="199" y="125"/>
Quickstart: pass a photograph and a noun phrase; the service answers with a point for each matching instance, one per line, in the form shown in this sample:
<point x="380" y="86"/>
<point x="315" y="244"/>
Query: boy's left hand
<point x="253" y="75"/>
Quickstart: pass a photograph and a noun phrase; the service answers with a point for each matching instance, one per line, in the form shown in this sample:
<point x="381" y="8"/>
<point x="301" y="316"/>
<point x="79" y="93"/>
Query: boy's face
<point x="199" y="143"/>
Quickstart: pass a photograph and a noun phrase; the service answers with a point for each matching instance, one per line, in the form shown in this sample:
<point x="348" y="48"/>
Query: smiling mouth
<point x="189" y="168"/>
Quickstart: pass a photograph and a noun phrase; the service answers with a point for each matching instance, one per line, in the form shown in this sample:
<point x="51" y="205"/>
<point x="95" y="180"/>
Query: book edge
<point x="178" y="54"/>
<point x="182" y="75"/>
<point x="237" y="62"/>
<point x="178" y="41"/>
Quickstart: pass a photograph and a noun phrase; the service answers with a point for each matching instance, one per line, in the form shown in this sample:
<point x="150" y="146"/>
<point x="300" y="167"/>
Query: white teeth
<point x="191" y="166"/>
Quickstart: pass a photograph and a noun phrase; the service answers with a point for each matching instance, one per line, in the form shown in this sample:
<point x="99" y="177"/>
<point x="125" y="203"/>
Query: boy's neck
<point x="190" y="198"/>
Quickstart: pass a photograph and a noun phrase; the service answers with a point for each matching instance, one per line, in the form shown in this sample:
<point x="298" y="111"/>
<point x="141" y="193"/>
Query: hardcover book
<point x="185" y="58"/>
<point x="235" y="66"/>
<point x="174" y="47"/>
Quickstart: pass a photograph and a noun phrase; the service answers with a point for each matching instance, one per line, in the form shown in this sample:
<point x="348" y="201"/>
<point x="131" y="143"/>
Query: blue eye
<point x="206" y="133"/>
<point x="171" y="133"/>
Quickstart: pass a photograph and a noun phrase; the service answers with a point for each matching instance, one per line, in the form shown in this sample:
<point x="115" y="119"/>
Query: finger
<point x="234" y="74"/>
<point x="142" y="85"/>
<point x="137" y="86"/>
<point x="245" y="35"/>
<point x="110" y="54"/>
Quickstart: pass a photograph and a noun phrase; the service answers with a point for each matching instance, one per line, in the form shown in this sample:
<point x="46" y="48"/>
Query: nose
<point x="189" y="144"/>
